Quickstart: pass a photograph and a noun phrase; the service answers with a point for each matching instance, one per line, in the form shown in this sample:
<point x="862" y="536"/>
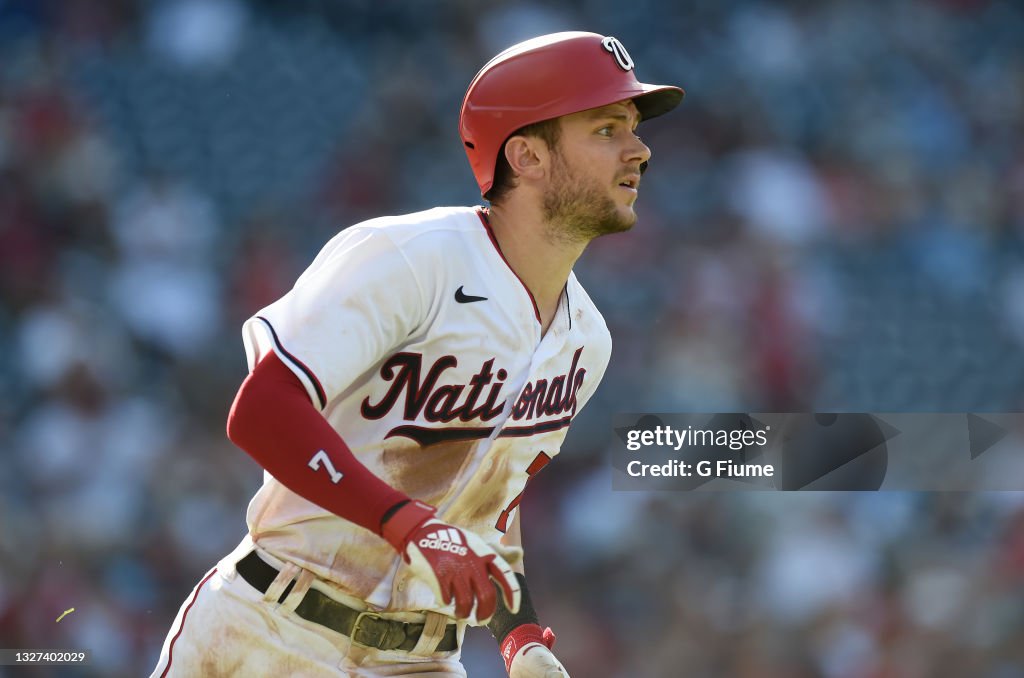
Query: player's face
<point x="595" y="172"/>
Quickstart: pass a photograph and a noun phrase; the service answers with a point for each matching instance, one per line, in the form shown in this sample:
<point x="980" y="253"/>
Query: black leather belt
<point x="365" y="628"/>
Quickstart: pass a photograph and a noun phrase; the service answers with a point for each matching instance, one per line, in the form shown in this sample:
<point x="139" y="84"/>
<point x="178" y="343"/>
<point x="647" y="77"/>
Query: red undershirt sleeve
<point x="273" y="420"/>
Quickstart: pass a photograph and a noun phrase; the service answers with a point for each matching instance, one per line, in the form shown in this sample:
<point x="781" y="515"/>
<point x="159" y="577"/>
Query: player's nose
<point x="637" y="151"/>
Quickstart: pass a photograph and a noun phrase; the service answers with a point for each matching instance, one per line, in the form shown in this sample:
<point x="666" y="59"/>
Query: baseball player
<point x="420" y="371"/>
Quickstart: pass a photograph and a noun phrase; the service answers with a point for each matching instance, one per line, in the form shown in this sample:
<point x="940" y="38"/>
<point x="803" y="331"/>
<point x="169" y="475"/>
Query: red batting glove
<point x="457" y="564"/>
<point x="527" y="653"/>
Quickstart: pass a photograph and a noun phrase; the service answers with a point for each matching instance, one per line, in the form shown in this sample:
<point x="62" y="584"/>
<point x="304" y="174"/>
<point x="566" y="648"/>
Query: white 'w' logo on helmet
<point x="617" y="49"/>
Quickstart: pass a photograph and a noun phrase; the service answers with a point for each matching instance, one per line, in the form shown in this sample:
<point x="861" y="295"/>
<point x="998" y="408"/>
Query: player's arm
<point x="274" y="420"/>
<point x="525" y="646"/>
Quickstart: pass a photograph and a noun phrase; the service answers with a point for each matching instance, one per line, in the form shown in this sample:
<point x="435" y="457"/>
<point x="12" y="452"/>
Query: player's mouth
<point x="630" y="182"/>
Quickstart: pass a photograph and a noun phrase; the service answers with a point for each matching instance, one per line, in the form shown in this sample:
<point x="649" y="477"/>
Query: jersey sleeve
<point x="590" y="384"/>
<point x="358" y="300"/>
<point x="599" y="340"/>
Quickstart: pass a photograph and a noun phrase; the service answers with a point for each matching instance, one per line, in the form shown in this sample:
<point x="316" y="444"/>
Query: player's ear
<point x="527" y="156"/>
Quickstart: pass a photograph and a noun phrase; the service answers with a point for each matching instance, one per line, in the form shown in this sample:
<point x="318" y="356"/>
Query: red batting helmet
<point x="547" y="77"/>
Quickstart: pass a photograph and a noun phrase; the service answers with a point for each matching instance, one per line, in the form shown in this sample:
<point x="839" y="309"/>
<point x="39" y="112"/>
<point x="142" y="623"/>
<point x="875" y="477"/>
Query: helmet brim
<point x="657" y="100"/>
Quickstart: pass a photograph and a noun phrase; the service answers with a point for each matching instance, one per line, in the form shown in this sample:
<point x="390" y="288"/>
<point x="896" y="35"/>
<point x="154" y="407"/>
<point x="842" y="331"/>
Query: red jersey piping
<point x="482" y="213"/>
<point x="188" y="608"/>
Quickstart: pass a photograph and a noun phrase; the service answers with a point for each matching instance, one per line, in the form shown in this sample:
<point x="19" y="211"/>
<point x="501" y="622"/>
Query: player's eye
<point x="607" y="130"/>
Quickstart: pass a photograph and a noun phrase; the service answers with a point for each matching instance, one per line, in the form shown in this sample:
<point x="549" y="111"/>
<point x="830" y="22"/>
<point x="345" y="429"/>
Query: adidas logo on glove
<point x="443" y="540"/>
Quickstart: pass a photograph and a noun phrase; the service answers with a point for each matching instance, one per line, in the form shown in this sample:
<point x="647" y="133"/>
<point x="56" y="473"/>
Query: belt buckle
<point x="377" y="630"/>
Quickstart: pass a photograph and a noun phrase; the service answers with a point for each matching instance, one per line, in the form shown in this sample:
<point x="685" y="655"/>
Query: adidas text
<point x="438" y="545"/>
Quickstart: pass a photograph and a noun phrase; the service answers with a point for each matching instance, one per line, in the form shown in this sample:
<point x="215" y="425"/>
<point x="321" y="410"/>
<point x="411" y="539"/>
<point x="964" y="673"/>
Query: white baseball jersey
<point x="424" y="350"/>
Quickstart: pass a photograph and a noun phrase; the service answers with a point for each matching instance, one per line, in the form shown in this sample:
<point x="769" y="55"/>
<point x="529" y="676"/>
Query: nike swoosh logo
<point x="464" y="298"/>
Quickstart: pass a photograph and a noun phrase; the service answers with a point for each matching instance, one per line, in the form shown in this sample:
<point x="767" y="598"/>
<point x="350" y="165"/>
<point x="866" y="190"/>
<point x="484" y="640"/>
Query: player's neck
<point x="541" y="264"/>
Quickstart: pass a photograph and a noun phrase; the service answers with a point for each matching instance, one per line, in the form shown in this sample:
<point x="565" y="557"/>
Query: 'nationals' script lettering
<point x="426" y="395"/>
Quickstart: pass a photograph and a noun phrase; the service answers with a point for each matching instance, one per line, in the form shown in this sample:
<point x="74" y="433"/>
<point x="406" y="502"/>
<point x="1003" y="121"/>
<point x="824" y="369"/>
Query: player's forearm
<point x="273" y="420"/>
<point x="505" y="621"/>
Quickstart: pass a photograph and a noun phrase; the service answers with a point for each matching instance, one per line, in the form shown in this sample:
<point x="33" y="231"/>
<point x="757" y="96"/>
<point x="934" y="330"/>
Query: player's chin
<point x="623" y="220"/>
<point x="627" y="216"/>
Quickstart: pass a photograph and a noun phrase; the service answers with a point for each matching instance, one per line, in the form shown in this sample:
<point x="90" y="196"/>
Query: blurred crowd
<point x="832" y="221"/>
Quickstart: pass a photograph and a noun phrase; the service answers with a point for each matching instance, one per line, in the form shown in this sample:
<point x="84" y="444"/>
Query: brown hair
<point x="504" y="178"/>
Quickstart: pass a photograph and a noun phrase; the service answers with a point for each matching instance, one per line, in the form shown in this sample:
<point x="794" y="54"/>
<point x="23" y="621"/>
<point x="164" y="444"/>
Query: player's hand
<point x="457" y="564"/>
<point x="527" y="653"/>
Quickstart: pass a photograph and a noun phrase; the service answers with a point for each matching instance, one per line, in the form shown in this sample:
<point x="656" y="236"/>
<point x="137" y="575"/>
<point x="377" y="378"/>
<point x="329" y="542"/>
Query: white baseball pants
<point x="227" y="628"/>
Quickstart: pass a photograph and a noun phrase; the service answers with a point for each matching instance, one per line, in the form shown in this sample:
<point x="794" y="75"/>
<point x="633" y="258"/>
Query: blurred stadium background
<point x="833" y="220"/>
